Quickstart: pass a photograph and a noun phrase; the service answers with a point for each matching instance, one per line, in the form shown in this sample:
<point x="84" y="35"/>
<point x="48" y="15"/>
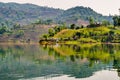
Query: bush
<point x="19" y="33"/>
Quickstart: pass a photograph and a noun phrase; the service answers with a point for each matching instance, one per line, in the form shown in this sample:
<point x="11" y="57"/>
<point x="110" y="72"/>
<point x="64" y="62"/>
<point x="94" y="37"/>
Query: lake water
<point x="60" y="62"/>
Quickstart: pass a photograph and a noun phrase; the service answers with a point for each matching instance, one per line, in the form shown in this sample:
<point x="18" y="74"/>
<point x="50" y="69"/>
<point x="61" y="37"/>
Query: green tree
<point x="57" y="29"/>
<point x="40" y="21"/>
<point x="91" y="20"/>
<point x="72" y="26"/>
<point x="49" y="21"/>
<point x="77" y="27"/>
<point x="105" y="23"/>
<point x="51" y="32"/>
<point x="16" y="26"/>
<point x="119" y="21"/>
<point x="19" y="33"/>
<point x="116" y="20"/>
<point x="45" y="36"/>
<point x="3" y="29"/>
<point x="63" y="26"/>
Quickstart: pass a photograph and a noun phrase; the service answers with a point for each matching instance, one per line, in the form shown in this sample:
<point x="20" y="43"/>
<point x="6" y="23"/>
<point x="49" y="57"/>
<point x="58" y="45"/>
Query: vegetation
<point x="99" y="34"/>
<point x="79" y="61"/>
<point x="20" y="33"/>
<point x="94" y="32"/>
<point x="83" y="13"/>
<point x="76" y="60"/>
<point x="116" y="20"/>
<point x="62" y="25"/>
<point x="86" y="40"/>
<point x="26" y="13"/>
<point x="104" y="53"/>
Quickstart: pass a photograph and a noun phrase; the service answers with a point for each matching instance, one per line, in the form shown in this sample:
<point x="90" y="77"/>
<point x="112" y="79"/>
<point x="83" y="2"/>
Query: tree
<point x="91" y="20"/>
<point x="77" y="27"/>
<point x="3" y="30"/>
<point x="51" y="32"/>
<point x="45" y="36"/>
<point x="78" y="34"/>
<point x="63" y="26"/>
<point x="49" y="21"/>
<point x="119" y="21"/>
<point x="116" y="20"/>
<point x="111" y="33"/>
<point x="16" y="26"/>
<point x="72" y="26"/>
<point x="105" y="23"/>
<point x="57" y="29"/>
<point x="39" y="21"/>
<point x="19" y="33"/>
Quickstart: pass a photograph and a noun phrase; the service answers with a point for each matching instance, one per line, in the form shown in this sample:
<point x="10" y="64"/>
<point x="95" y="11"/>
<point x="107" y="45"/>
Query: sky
<point x="104" y="7"/>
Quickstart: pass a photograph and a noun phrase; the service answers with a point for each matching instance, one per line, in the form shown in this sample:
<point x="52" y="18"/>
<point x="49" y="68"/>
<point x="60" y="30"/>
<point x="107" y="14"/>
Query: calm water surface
<point x="60" y="62"/>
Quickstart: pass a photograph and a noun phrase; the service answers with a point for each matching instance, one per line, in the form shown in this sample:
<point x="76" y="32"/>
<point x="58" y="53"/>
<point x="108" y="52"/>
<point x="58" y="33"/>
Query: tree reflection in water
<point x="79" y="61"/>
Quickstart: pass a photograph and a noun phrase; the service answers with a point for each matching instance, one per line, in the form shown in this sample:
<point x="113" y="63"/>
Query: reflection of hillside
<point x="30" y="52"/>
<point x="116" y="64"/>
<point x="29" y="61"/>
<point x="96" y="52"/>
<point x="22" y="61"/>
<point x="105" y="53"/>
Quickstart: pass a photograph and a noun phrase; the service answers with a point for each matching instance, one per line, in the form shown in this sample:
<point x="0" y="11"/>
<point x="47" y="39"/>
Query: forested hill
<point x="83" y="13"/>
<point x="27" y="13"/>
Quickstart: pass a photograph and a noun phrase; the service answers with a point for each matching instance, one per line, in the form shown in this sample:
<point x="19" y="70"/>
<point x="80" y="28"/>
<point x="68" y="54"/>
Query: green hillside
<point x="25" y="22"/>
<point x="89" y="35"/>
<point x="27" y="13"/>
<point x="85" y="32"/>
<point x="83" y="13"/>
<point x="28" y="33"/>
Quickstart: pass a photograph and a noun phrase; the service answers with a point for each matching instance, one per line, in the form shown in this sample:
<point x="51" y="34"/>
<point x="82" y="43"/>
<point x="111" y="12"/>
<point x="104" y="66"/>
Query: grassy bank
<point x="101" y="34"/>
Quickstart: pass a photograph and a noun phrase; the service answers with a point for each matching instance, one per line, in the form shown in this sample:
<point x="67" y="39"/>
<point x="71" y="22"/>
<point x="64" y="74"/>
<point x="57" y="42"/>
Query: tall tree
<point x="116" y="20"/>
<point x="91" y="20"/>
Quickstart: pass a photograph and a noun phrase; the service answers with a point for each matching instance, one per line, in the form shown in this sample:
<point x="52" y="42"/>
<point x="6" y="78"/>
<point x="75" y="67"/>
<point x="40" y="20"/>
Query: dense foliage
<point x="25" y="13"/>
<point x="116" y="20"/>
<point x="90" y="34"/>
<point x="83" y="13"/>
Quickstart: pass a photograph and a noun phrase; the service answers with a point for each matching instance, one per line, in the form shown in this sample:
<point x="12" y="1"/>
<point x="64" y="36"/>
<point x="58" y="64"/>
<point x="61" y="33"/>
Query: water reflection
<point x="97" y="57"/>
<point x="78" y="61"/>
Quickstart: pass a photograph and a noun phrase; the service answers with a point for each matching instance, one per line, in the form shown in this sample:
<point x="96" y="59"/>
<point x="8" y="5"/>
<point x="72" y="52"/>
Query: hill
<point x="82" y="13"/>
<point x="27" y="13"/>
<point x="103" y="34"/>
<point x="25" y="33"/>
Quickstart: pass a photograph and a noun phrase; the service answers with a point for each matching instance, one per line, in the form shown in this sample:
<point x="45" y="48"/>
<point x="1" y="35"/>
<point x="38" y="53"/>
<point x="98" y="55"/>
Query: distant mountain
<point x="27" y="13"/>
<point x="83" y="13"/>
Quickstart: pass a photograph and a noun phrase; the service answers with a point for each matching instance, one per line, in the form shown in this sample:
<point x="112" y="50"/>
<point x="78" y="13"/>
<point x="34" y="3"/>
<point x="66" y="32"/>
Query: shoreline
<point x="74" y="42"/>
<point x="18" y="43"/>
<point x="47" y="43"/>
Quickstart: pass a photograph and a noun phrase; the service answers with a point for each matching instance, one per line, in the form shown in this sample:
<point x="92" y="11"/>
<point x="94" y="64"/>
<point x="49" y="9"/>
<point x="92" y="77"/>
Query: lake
<point x="60" y="62"/>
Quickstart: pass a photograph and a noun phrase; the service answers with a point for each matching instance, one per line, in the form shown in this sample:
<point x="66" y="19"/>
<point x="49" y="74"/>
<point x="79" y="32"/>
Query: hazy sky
<point x="105" y="7"/>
